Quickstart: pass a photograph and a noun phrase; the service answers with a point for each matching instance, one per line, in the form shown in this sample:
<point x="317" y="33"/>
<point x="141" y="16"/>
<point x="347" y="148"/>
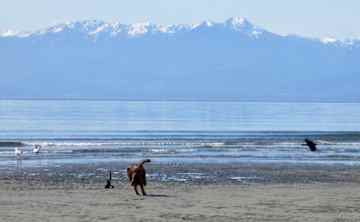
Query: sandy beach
<point x="296" y="193"/>
<point x="176" y="202"/>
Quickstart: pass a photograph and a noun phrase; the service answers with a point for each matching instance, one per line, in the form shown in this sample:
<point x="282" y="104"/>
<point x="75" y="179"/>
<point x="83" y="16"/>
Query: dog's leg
<point x="135" y="189"/>
<point x="132" y="179"/>
<point x="142" y="190"/>
<point x="129" y="173"/>
<point x="143" y="176"/>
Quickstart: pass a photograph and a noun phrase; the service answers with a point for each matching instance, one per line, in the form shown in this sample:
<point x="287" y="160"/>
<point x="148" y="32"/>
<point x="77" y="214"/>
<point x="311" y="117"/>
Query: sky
<point x="311" y="18"/>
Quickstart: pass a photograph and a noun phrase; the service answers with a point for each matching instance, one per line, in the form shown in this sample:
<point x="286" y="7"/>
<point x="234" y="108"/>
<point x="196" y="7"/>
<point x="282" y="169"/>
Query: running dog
<point x="137" y="176"/>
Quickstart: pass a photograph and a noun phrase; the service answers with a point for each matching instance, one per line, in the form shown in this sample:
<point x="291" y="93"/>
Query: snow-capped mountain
<point x="95" y="28"/>
<point x="232" y="60"/>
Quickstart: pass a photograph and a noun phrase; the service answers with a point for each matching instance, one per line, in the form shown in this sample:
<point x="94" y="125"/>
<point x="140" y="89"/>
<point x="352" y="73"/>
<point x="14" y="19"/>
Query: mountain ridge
<point x="232" y="60"/>
<point x="92" y="27"/>
<point x="117" y="29"/>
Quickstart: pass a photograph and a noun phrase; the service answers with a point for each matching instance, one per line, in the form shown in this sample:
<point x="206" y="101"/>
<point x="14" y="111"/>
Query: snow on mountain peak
<point x="341" y="42"/>
<point x="241" y="24"/>
<point x="203" y="24"/>
<point x="139" y="28"/>
<point x="9" y="33"/>
<point x="13" y="33"/>
<point x="238" y="23"/>
<point x="328" y="40"/>
<point x="237" y="20"/>
<point x="97" y="29"/>
<point x="93" y="28"/>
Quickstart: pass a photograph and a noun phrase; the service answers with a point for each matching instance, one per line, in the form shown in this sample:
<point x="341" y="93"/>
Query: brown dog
<point x="137" y="176"/>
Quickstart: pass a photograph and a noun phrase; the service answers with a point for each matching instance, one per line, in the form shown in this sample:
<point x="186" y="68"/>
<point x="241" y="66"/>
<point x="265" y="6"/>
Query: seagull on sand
<point x="37" y="149"/>
<point x="18" y="153"/>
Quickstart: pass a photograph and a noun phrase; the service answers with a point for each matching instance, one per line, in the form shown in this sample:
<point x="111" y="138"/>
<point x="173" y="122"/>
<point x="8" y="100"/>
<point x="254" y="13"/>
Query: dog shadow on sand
<point x="158" y="195"/>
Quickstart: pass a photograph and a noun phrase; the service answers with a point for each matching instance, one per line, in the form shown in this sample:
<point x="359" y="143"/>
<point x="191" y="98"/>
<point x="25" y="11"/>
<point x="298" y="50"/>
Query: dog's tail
<point x="145" y="161"/>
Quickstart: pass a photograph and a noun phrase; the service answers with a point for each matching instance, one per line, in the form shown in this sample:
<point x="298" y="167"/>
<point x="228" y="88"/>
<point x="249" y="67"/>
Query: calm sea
<point x="82" y="132"/>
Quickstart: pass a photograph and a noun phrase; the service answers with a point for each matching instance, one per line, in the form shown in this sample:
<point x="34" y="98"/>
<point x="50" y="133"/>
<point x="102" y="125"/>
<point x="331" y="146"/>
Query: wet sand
<point x="178" y="202"/>
<point x="208" y="174"/>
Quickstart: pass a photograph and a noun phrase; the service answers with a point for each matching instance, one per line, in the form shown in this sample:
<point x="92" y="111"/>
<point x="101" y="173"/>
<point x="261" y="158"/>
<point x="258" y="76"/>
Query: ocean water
<point x="87" y="132"/>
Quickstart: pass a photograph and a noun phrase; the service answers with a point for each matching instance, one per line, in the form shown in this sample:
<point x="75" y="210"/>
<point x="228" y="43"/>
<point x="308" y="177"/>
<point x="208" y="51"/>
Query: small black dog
<point x="108" y="182"/>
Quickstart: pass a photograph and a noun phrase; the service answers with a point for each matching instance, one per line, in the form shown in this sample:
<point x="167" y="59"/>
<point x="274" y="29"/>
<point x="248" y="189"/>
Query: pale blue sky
<point x="315" y="18"/>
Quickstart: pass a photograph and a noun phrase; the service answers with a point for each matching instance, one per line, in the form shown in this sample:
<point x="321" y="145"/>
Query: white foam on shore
<point x="244" y="179"/>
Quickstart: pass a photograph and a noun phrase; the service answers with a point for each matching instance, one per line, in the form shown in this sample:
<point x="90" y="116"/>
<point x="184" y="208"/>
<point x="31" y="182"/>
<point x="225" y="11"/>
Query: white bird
<point x="18" y="153"/>
<point x="37" y="149"/>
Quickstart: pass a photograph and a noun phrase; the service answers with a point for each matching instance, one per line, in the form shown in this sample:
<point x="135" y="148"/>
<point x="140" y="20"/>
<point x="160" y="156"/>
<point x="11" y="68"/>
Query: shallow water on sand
<point x="88" y="132"/>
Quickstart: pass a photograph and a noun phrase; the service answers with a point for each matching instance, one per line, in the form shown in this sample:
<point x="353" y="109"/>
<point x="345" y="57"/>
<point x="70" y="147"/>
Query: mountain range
<point x="232" y="60"/>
